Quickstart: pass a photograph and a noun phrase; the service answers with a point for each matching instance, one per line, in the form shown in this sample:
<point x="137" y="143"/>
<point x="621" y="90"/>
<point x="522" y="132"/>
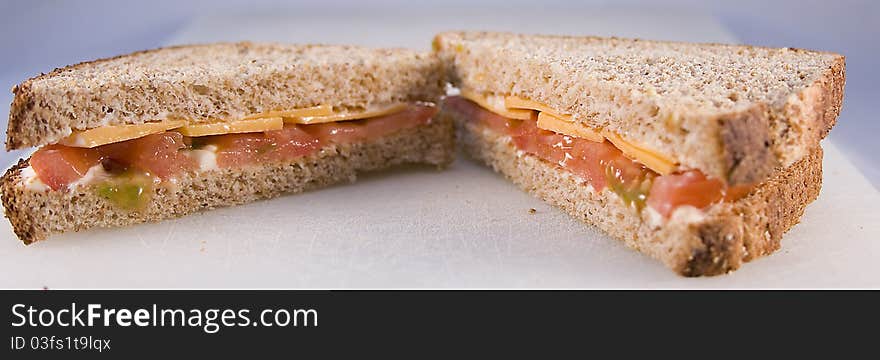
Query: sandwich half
<point x="164" y="133"/>
<point x="699" y="155"/>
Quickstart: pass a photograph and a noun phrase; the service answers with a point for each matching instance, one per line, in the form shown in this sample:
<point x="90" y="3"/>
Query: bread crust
<point x="719" y="241"/>
<point x="747" y="151"/>
<point x="740" y="118"/>
<point x="35" y="215"/>
<point x="215" y="82"/>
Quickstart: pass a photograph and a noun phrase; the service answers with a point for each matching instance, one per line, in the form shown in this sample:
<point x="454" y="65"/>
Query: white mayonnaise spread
<point x="95" y="173"/>
<point x="31" y="181"/>
<point x="206" y="157"/>
<point x="684" y="214"/>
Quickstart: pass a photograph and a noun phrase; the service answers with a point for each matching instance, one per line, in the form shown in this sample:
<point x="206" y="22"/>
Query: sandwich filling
<point x="603" y="160"/>
<point x="125" y="171"/>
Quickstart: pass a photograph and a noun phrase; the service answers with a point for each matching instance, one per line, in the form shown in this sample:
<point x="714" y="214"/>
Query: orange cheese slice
<point x="548" y="119"/>
<point x="496" y="105"/>
<point x="241" y="126"/>
<point x="652" y="159"/>
<point x="564" y="124"/>
<point x="115" y="133"/>
<point x="516" y="102"/>
<point x="342" y="116"/>
<point x="550" y="122"/>
<point x="320" y="110"/>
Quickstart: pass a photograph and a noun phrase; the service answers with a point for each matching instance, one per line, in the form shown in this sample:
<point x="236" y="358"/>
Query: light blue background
<point x="38" y="36"/>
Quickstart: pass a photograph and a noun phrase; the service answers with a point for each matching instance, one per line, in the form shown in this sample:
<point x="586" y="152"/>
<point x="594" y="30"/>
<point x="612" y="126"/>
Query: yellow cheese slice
<point x="266" y="121"/>
<point x="564" y="124"/>
<point x="553" y="121"/>
<point x="550" y="122"/>
<point x="496" y="105"/>
<point x="111" y="134"/>
<point x="516" y="102"/>
<point x="342" y="116"/>
<point x="241" y="126"/>
<point x="320" y="110"/>
<point x="652" y="159"/>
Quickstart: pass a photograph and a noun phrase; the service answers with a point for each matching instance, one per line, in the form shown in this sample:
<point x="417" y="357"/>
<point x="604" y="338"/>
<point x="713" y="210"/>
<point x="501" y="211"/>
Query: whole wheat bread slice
<point x="225" y="81"/>
<point x="37" y="214"/>
<point x="734" y="112"/>
<point x="727" y="235"/>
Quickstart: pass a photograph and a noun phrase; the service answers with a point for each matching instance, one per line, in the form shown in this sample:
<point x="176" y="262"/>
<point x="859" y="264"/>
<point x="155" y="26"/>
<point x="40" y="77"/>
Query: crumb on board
<point x="532" y="211"/>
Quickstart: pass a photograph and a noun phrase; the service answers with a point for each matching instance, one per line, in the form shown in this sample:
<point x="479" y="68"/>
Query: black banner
<point x="114" y="323"/>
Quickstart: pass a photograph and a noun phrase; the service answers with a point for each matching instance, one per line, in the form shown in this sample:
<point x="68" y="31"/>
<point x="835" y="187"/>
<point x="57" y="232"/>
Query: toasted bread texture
<point x="37" y="214"/>
<point x="215" y="82"/>
<point x="691" y="242"/>
<point x="734" y="112"/>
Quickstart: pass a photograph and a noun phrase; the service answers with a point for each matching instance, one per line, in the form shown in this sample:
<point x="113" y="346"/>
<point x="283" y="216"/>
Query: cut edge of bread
<point x="35" y="215"/>
<point x="742" y="145"/>
<point x="50" y="106"/>
<point x="692" y="243"/>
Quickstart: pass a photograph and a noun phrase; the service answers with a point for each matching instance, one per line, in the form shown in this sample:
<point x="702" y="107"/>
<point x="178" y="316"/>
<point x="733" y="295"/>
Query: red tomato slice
<point x="689" y="188"/>
<point x="344" y="132"/>
<point x="524" y="135"/>
<point x="412" y="116"/>
<point x="627" y="171"/>
<point x="157" y="154"/>
<point x="471" y="110"/>
<point x="545" y="144"/>
<point x="239" y="149"/>
<point x="599" y="163"/>
<point x="589" y="160"/>
<point x="235" y="150"/>
<point x="58" y="166"/>
<point x="339" y="133"/>
<point x="161" y="155"/>
<point x="736" y="192"/>
<point x="291" y="142"/>
<point x="582" y="157"/>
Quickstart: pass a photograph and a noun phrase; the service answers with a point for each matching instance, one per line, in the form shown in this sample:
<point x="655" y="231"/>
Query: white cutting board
<point x="417" y="227"/>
